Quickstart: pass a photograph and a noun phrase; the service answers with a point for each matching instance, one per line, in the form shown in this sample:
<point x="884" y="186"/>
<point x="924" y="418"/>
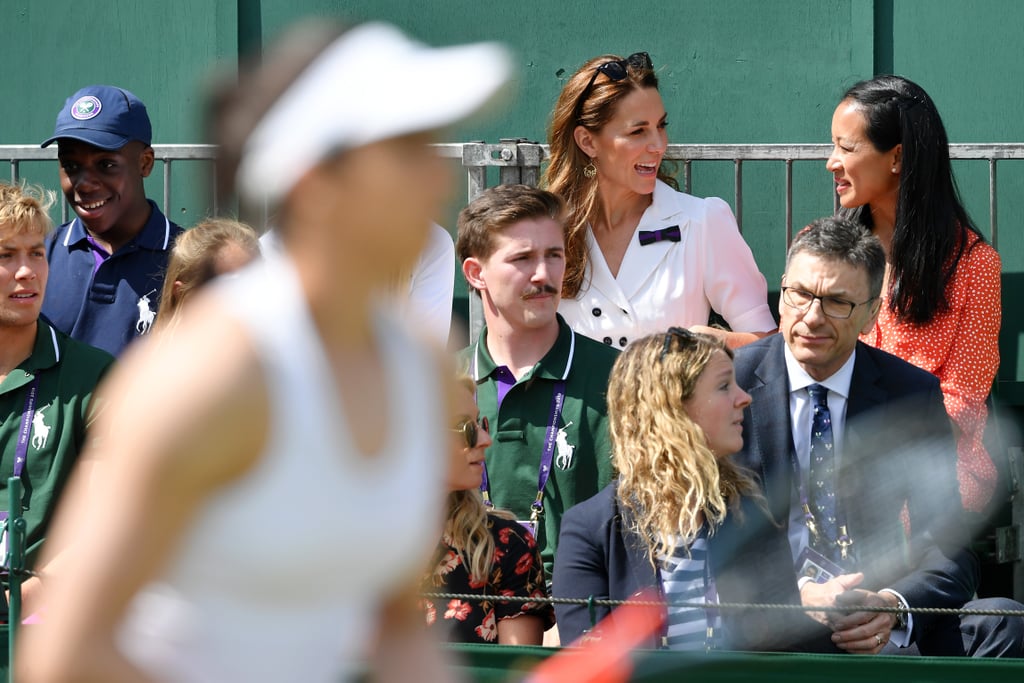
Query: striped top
<point x="685" y="578"/>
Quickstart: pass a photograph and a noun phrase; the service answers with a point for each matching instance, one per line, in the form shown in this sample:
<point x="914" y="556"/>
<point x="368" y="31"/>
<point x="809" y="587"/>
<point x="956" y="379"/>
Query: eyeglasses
<point x="682" y="334"/>
<point x="470" y="432"/>
<point x="832" y="306"/>
<point x="615" y="70"/>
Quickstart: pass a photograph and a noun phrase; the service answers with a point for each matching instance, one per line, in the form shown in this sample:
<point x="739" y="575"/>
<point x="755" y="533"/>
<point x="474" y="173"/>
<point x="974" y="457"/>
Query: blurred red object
<point x="603" y="655"/>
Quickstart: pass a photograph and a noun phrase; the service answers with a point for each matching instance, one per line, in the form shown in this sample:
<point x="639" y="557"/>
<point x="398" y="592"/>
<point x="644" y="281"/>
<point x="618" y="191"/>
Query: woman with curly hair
<point x="484" y="552"/>
<point x="941" y="297"/>
<point x="681" y="517"/>
<point x="641" y="256"/>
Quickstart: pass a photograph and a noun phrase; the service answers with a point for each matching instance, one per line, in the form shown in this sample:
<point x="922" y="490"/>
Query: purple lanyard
<point x="547" y="456"/>
<point x="21" y="453"/>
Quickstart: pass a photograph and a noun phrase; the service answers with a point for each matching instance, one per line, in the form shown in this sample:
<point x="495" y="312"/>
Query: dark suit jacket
<point x="898" y="449"/>
<point x="750" y="560"/>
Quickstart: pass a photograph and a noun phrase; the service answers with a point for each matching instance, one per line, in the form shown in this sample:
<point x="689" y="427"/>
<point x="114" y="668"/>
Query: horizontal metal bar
<point x="531" y="153"/>
<point x="162" y="152"/>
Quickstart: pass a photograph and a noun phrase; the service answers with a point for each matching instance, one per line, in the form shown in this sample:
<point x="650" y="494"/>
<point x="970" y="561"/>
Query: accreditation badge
<point x="529" y="525"/>
<point x="816" y="566"/>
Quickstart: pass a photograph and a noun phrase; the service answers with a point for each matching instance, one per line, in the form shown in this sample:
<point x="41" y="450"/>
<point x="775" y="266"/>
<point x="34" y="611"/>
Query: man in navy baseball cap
<point x="106" y="265"/>
<point x="103" y="116"/>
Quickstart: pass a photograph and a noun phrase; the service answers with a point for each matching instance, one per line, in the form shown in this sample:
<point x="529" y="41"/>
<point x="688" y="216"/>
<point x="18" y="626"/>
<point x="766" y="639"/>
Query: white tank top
<point x="280" y="576"/>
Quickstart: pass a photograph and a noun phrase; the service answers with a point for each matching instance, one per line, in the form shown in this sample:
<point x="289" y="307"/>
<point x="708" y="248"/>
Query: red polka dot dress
<point x="961" y="348"/>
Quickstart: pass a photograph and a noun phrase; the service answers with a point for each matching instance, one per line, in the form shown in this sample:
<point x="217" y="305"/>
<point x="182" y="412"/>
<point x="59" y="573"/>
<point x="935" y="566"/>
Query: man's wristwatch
<point x="901" y="618"/>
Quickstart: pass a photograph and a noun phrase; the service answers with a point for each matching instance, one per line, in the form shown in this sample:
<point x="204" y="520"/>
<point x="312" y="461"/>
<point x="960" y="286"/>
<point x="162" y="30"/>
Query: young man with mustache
<point x="541" y="385"/>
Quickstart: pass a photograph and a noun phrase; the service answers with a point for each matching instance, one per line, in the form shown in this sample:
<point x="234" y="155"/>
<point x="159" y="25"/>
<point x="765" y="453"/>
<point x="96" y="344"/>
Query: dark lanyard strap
<point x="547" y="455"/>
<point x="21" y="452"/>
<point x="844" y="541"/>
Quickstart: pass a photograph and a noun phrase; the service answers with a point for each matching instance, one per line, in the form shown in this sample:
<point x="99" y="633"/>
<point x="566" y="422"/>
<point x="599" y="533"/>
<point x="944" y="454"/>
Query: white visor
<point x="371" y="84"/>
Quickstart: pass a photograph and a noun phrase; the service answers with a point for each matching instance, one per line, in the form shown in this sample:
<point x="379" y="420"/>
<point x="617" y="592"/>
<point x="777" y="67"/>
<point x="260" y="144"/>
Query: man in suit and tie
<point x="856" y="453"/>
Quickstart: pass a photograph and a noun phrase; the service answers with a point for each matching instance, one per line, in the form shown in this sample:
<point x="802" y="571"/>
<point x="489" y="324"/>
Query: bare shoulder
<point x="194" y="403"/>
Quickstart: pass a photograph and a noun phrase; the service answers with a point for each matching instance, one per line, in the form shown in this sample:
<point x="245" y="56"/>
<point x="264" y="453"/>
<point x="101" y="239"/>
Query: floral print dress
<point x="516" y="570"/>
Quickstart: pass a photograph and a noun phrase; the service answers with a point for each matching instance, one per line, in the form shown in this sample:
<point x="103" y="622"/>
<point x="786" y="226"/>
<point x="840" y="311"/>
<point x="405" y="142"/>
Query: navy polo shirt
<point x="109" y="304"/>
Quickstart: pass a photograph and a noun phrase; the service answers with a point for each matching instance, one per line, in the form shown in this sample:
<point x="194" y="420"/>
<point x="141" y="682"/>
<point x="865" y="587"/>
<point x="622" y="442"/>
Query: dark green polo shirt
<point x="519" y="429"/>
<point x="68" y="372"/>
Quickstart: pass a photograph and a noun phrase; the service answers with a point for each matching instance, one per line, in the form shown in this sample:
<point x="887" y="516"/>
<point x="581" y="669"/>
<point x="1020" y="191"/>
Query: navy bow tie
<point x="671" y="233"/>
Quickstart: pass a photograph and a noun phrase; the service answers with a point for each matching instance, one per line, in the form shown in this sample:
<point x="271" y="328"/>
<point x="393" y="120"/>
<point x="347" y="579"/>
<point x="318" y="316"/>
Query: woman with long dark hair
<point x="941" y="294"/>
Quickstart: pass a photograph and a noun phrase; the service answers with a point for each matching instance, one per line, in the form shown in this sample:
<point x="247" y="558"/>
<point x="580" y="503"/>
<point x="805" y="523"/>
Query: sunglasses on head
<point x="682" y="334"/>
<point x="470" y="430"/>
<point x="615" y="70"/>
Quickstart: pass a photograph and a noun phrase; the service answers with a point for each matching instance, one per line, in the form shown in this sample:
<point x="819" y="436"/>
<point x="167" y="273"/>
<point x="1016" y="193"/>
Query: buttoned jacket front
<point x="666" y="283"/>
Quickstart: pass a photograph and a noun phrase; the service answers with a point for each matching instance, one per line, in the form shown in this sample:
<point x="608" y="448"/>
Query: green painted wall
<point x="731" y="71"/>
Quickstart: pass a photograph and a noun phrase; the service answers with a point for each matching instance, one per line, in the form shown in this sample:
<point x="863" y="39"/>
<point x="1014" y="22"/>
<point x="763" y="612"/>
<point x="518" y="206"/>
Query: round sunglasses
<point x="470" y="430"/>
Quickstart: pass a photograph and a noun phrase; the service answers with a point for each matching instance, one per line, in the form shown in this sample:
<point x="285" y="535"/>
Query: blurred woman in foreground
<point x="250" y="457"/>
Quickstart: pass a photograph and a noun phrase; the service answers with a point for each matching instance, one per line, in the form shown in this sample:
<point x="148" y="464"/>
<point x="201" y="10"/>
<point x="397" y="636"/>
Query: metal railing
<point x="166" y="155"/>
<point x="519" y="161"/>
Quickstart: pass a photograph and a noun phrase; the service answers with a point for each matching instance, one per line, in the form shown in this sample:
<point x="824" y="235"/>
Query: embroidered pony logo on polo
<point x="86" y="108"/>
<point x="40" y="430"/>
<point x="565" y="449"/>
<point x="146" y="315"/>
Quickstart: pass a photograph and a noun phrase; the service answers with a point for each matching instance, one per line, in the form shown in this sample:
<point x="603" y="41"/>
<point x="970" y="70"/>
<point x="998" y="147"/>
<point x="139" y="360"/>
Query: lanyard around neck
<point x="547" y="455"/>
<point x="843" y="541"/>
<point x="27" y="415"/>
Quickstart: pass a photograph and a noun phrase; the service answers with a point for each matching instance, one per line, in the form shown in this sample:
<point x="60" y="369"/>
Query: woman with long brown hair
<point x="640" y="255"/>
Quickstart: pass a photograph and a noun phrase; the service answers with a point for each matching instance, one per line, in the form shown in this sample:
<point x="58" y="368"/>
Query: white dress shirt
<point x="801" y="415"/>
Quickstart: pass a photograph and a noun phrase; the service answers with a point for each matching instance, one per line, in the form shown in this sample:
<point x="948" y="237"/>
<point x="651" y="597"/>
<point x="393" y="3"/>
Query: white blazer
<point x="672" y="283"/>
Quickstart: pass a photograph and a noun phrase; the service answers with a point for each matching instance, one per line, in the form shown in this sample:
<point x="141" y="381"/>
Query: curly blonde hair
<point x="670" y="482"/>
<point x="564" y="173"/>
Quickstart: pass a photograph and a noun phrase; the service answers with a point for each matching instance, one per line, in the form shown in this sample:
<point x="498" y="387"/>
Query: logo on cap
<point x="86" y="108"/>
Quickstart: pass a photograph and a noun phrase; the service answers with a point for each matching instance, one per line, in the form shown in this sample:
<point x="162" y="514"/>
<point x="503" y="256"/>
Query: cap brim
<point x="96" y="138"/>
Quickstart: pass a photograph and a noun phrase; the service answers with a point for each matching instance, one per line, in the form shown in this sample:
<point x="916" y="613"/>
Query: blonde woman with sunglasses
<point x="483" y="551"/>
<point x="640" y="255"/>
